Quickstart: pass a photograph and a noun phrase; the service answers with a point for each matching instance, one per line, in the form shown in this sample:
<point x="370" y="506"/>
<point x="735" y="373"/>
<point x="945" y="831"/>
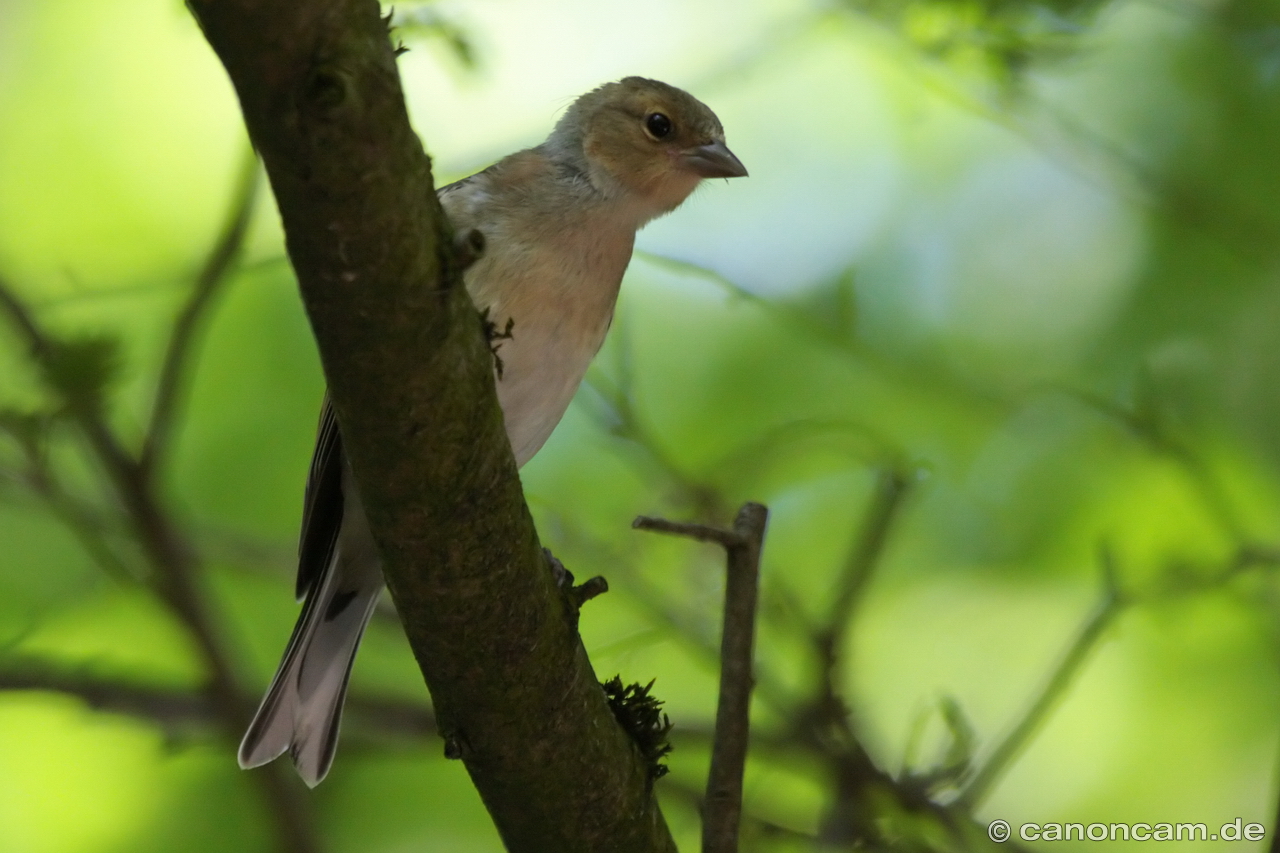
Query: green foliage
<point x="999" y="39"/>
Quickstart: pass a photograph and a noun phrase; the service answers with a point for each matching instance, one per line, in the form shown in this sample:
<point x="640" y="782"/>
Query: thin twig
<point x="688" y="623"/>
<point x="729" y="539"/>
<point x="824" y="724"/>
<point x="722" y="811"/>
<point x="83" y="522"/>
<point x="373" y="718"/>
<point x="1148" y="428"/>
<point x="173" y="578"/>
<point x="1111" y="604"/>
<point x="165" y="706"/>
<point x="213" y="275"/>
<point x="891" y="488"/>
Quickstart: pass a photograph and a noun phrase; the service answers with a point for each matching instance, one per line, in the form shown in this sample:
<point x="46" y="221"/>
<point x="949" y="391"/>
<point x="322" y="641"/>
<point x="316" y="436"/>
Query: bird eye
<point x="657" y="125"/>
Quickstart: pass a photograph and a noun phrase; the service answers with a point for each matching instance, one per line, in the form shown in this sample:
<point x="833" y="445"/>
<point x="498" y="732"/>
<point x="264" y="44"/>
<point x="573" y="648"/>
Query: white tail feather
<point x="303" y="707"/>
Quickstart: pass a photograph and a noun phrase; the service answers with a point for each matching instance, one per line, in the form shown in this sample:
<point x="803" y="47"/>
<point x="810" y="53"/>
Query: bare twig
<point x="168" y="707"/>
<point x="824" y="724"/>
<point x="617" y="395"/>
<point x="688" y="624"/>
<point x="83" y="522"/>
<point x="1146" y="425"/>
<point x="729" y="539"/>
<point x="173" y="573"/>
<point x="213" y="275"/>
<point x="722" y="812"/>
<point x="1112" y="602"/>
<point x="891" y="488"/>
<point x="371" y="719"/>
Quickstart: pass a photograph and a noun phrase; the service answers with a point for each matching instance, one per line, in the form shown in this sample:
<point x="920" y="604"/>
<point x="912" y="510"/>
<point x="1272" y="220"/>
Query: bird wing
<point x="322" y="503"/>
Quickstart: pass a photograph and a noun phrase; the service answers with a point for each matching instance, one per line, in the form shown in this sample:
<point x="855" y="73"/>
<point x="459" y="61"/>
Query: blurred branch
<point x="211" y="280"/>
<point x="925" y="378"/>
<point x="841" y="339"/>
<point x="891" y="489"/>
<point x="36" y="477"/>
<point x="753" y="825"/>
<point x="870" y="446"/>
<point x="172" y="562"/>
<point x="166" y="707"/>
<point x="1144" y="422"/>
<point x="84" y="522"/>
<point x="1112" y="602"/>
<point x="368" y="718"/>
<point x="623" y="421"/>
<point x="22" y="319"/>
<point x="722" y="811"/>
<point x="826" y="721"/>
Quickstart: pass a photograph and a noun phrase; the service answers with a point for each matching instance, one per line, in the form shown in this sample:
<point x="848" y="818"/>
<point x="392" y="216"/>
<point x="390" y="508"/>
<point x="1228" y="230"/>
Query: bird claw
<point x="492" y="334"/>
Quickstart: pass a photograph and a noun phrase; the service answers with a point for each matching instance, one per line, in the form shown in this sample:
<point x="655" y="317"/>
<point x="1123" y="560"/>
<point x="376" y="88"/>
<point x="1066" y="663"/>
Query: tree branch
<point x="173" y="575"/>
<point x="891" y="489"/>
<point x="214" y="274"/>
<point x="1112" y="603"/>
<point x="728" y="539"/>
<point x="411" y="380"/>
<point x="368" y="718"/>
<point x="722" y="811"/>
<point x="86" y="525"/>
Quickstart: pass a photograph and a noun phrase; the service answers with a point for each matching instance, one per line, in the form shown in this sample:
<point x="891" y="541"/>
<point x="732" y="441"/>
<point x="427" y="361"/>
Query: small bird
<point x="558" y="223"/>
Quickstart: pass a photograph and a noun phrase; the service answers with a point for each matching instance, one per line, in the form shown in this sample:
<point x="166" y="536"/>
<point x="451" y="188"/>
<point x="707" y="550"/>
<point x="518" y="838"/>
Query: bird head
<point x="646" y="140"/>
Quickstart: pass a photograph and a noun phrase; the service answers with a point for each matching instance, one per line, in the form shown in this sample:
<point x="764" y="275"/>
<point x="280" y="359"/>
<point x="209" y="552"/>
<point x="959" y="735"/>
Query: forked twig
<point x="722" y="808"/>
<point x="174" y="575"/>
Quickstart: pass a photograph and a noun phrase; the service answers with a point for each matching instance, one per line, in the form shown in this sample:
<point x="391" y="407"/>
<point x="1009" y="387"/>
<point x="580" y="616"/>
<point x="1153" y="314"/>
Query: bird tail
<point x="303" y="705"/>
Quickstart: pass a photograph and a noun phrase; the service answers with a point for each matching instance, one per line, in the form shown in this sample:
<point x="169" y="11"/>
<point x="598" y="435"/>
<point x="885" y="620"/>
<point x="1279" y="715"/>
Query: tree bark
<point x="410" y="376"/>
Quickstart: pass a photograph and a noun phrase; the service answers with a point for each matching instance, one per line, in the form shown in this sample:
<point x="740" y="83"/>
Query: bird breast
<point x="558" y="284"/>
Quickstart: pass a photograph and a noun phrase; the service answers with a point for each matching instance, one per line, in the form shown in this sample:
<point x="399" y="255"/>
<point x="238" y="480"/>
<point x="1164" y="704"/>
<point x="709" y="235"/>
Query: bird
<point x="558" y="224"/>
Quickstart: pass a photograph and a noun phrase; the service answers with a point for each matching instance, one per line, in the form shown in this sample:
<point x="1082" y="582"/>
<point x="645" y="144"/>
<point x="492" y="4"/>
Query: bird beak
<point x="713" y="160"/>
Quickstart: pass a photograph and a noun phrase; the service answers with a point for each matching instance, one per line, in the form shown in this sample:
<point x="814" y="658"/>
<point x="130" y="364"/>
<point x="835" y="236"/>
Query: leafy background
<point x="1005" y="273"/>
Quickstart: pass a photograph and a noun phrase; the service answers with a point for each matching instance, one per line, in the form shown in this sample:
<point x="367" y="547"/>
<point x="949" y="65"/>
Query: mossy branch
<point x="410" y="378"/>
